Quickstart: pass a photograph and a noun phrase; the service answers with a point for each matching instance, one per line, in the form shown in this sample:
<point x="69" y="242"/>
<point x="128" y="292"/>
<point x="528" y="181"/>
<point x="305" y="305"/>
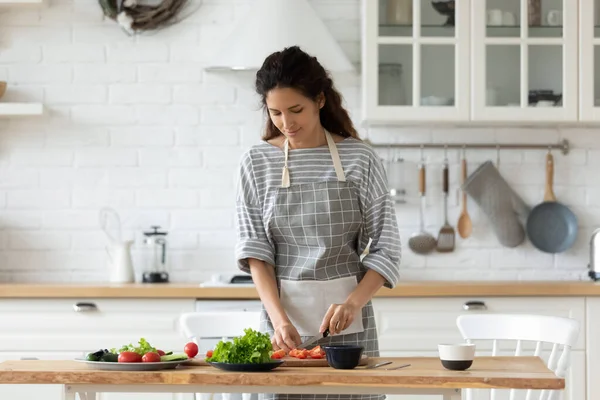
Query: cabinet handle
<point x="474" y="305"/>
<point x="84" y="307"/>
<point x="29" y="358"/>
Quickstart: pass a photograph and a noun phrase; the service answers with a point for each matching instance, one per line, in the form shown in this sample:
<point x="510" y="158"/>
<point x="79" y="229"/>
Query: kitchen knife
<point x="313" y="339"/>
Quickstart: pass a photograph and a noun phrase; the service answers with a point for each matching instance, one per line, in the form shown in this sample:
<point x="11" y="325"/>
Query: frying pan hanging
<point x="551" y="226"/>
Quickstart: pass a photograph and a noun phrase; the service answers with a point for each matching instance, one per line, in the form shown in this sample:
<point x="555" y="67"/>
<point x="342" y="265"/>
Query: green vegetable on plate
<point x="174" y="357"/>
<point x="143" y="348"/>
<point x="252" y="348"/>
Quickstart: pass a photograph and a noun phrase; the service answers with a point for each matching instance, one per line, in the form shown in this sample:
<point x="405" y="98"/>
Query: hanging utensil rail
<point x="563" y="146"/>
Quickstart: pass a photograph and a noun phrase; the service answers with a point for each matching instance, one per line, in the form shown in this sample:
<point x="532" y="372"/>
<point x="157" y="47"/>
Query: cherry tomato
<point x="129" y="357"/>
<point x="151" y="357"/>
<point x="209" y="353"/>
<point x="191" y="349"/>
<point x="160" y="352"/>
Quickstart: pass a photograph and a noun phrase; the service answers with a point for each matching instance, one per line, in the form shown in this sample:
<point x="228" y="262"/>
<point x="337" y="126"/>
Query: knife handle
<point x="326" y="333"/>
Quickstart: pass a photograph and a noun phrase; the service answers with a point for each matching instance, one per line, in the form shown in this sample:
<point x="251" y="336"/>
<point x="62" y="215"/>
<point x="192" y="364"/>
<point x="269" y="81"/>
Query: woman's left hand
<point x="338" y="318"/>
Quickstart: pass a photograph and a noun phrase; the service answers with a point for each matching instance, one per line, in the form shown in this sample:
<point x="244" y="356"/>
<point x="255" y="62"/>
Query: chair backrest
<point x="217" y="325"/>
<point x="523" y="329"/>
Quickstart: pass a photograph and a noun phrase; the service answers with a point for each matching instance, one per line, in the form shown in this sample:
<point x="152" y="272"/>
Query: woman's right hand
<point x="286" y="337"/>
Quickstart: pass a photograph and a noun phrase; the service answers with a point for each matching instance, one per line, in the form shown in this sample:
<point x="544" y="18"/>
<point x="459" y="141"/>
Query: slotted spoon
<point x="446" y="236"/>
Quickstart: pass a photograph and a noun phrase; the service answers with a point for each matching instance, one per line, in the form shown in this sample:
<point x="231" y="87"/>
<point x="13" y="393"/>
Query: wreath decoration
<point x="140" y="15"/>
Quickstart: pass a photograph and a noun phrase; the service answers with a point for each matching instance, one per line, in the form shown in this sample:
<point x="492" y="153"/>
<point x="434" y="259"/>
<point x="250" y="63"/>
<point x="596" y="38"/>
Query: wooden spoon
<point x="464" y="225"/>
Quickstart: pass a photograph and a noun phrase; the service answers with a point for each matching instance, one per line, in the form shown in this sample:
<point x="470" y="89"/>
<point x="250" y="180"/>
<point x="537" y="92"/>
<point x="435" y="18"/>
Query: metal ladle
<point x="422" y="242"/>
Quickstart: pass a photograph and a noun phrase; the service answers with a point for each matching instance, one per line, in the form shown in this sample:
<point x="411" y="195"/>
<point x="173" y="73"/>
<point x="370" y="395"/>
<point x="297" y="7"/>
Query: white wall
<point x="135" y="123"/>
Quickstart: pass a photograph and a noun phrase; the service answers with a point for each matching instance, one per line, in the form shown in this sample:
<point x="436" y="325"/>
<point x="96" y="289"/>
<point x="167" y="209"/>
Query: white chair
<point x="198" y="326"/>
<point x="522" y="329"/>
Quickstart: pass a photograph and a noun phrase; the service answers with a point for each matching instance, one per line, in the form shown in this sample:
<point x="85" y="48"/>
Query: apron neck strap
<point x="285" y="176"/>
<point x="337" y="163"/>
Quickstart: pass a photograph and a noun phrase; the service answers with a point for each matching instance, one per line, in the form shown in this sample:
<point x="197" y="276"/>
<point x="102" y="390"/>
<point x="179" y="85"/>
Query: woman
<point x="312" y="198"/>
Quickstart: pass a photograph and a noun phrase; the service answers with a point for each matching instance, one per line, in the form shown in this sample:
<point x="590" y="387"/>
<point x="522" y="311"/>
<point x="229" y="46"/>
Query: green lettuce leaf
<point x="252" y="348"/>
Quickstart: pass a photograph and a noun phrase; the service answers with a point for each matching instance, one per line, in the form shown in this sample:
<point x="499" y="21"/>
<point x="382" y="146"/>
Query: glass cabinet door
<point x="524" y="56"/>
<point x="415" y="60"/>
<point x="589" y="60"/>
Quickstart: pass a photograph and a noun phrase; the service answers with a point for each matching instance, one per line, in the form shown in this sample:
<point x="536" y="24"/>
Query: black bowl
<point x="343" y="356"/>
<point x="457" y="365"/>
<point x="445" y="8"/>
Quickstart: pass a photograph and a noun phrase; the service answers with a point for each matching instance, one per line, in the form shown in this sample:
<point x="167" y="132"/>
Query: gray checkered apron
<point x="315" y="228"/>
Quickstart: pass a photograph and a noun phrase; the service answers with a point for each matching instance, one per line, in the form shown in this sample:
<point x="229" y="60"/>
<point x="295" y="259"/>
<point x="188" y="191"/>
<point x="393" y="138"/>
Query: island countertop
<point x="423" y="372"/>
<point x="404" y="289"/>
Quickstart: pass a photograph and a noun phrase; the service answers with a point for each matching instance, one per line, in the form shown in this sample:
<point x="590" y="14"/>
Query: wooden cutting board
<point x="293" y="362"/>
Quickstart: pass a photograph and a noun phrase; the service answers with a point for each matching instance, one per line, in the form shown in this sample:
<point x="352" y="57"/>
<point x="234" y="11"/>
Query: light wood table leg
<point x="68" y="393"/>
<point x="456" y="395"/>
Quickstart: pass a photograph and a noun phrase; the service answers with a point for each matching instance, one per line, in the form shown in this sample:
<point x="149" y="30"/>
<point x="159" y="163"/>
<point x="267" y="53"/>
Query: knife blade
<point x="313" y="339"/>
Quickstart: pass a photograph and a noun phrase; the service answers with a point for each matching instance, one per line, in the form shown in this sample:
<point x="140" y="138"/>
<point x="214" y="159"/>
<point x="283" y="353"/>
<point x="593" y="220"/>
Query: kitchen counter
<point x="404" y="289"/>
<point x="423" y="372"/>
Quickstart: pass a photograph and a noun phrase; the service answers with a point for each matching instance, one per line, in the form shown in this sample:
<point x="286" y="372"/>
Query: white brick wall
<point x="135" y="123"/>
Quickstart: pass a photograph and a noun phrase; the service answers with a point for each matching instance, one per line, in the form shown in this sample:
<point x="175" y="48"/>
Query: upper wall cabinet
<point x="589" y="58"/>
<point x="524" y="57"/>
<point x="415" y="60"/>
<point x="479" y="60"/>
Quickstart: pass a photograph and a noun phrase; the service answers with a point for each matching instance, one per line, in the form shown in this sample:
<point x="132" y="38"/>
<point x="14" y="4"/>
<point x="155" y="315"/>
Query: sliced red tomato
<point x="209" y="353"/>
<point x="302" y="354"/>
<point x="278" y="354"/>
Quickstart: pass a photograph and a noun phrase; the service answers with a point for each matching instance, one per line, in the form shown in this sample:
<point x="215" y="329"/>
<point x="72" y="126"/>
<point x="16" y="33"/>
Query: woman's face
<point x="294" y="114"/>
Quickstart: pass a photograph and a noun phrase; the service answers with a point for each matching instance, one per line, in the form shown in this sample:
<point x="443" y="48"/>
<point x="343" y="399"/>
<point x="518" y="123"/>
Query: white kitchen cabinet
<point x="410" y="324"/>
<point x="89" y="324"/>
<point x="413" y="327"/>
<point x="593" y="347"/>
<point x="69" y="328"/>
<point x="413" y="67"/>
<point x="589" y="61"/>
<point x="145" y="396"/>
<point x="517" y="52"/>
<point x="492" y="65"/>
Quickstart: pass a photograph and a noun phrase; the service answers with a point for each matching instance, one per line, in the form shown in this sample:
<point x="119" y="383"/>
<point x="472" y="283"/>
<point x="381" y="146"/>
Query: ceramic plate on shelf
<point x="247" y="367"/>
<point x="140" y="366"/>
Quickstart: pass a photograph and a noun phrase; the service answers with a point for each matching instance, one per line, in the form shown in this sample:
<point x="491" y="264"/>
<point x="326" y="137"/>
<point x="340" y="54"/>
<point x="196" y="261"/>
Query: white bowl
<point x="457" y="357"/>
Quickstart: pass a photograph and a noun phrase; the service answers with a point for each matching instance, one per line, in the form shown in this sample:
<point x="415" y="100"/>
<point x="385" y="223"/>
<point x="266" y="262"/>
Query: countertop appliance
<point x="594" y="266"/>
<point x="156" y="256"/>
<point x="222" y="280"/>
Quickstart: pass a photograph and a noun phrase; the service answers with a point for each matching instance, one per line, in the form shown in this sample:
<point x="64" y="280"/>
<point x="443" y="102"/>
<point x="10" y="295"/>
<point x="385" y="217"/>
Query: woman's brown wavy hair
<point x="293" y="68"/>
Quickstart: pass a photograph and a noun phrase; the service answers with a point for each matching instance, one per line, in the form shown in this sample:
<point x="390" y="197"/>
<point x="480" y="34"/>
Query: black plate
<point x="247" y="367"/>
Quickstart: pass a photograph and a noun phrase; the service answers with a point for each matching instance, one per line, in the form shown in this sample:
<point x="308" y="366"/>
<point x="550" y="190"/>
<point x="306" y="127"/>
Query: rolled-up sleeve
<point x="380" y="226"/>
<point x="252" y="240"/>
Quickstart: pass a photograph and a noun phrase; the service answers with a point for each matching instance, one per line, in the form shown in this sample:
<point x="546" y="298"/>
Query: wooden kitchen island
<point x="425" y="376"/>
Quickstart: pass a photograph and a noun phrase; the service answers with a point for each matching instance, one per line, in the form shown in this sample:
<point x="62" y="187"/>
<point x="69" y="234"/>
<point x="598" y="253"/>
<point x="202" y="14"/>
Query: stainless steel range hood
<point x="273" y="25"/>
